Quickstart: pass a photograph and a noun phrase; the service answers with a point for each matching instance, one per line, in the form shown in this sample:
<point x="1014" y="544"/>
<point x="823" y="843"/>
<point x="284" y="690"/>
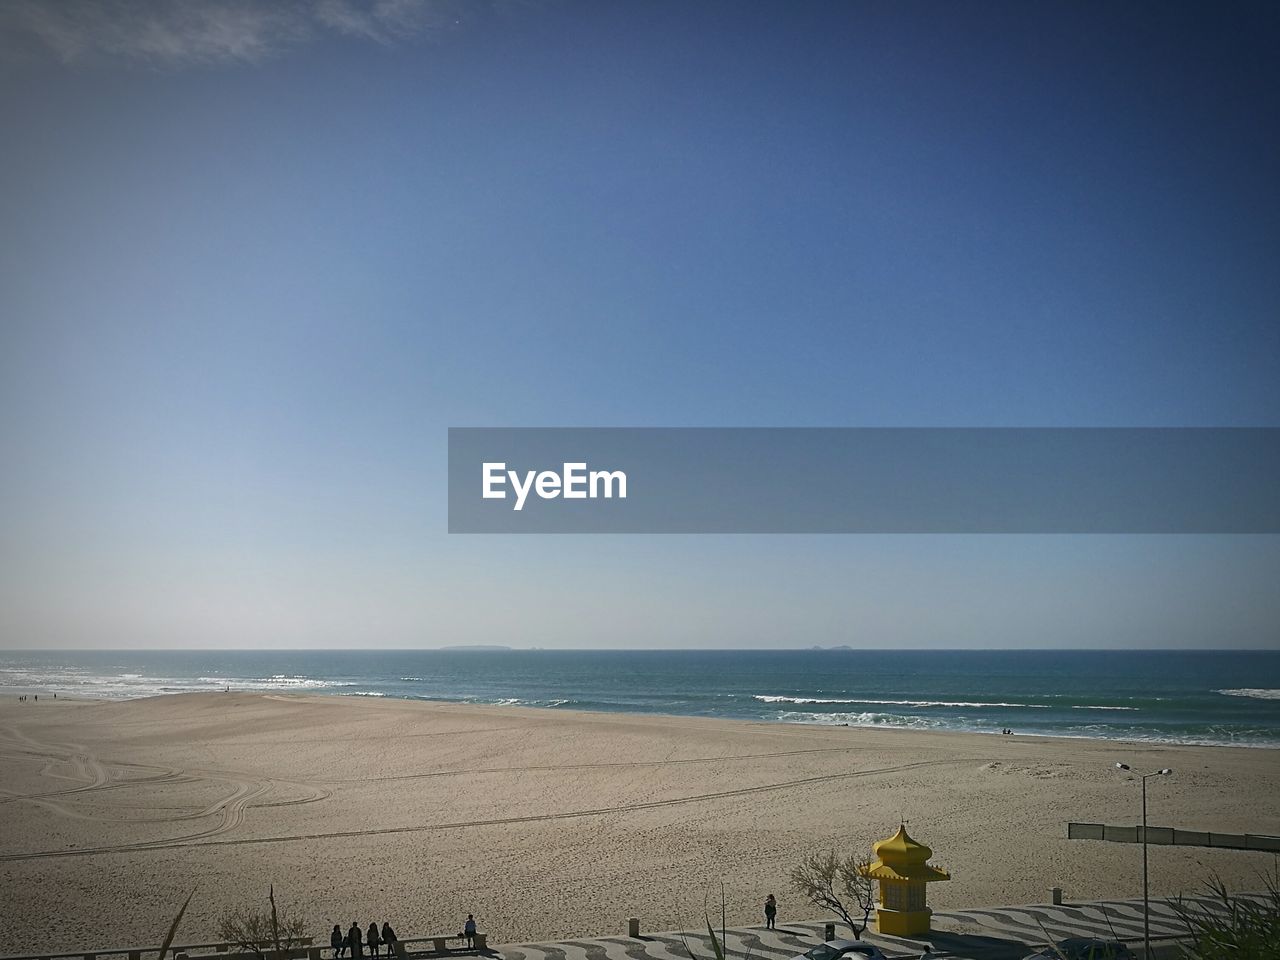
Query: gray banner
<point x="863" y="480"/>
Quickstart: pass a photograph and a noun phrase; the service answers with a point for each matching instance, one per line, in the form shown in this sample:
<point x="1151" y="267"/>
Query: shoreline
<point x="319" y="695"/>
<point x="1201" y="698"/>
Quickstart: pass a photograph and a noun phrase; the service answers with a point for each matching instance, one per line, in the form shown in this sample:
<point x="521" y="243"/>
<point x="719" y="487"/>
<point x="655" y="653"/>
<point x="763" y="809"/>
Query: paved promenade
<point x="990" y="933"/>
<point x="993" y="933"/>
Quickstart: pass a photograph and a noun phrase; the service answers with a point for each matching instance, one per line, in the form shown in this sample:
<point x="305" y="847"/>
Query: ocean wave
<point x="278" y="681"/>
<point x="284" y="683"/>
<point x="1256" y="693"/>
<point x="410" y="679"/>
<point x="1213" y="736"/>
<point x="771" y="698"/>
<point x="1253" y="737"/>
<point x="862" y="719"/>
<point x="1095" y="706"/>
<point x="519" y="702"/>
<point x="286" y="680"/>
<point x="129" y="686"/>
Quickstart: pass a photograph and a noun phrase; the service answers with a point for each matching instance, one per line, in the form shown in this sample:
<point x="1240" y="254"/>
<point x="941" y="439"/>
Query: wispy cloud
<point x="176" y="33"/>
<point x="381" y="20"/>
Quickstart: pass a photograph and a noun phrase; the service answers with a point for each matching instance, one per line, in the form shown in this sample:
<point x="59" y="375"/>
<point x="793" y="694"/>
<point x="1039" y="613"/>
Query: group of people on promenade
<point x="353" y="942"/>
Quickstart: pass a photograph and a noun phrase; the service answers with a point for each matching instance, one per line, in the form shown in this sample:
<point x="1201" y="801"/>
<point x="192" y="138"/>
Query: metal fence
<point x="1171" y="836"/>
<point x="304" y="950"/>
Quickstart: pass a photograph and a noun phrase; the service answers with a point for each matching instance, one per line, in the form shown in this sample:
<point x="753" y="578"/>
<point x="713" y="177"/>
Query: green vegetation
<point x="1223" y="925"/>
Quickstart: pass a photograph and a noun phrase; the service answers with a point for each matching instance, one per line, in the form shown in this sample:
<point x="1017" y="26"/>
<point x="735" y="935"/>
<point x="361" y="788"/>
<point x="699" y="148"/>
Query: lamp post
<point x="1146" y="902"/>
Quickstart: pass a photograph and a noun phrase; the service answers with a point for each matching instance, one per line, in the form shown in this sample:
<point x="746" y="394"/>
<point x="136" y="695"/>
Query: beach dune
<point x="548" y="823"/>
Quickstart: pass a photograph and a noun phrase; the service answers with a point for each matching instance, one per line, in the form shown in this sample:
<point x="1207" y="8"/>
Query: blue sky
<point x="256" y="259"/>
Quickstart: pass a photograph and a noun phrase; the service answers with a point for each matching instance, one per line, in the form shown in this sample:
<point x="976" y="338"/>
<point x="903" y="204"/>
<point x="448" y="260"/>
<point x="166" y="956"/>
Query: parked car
<point x="852" y="949"/>
<point x="1083" y="948"/>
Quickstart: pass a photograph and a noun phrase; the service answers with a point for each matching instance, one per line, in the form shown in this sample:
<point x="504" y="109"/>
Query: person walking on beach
<point x="373" y="939"/>
<point x="389" y="938"/>
<point x="770" y="911"/>
<point x="469" y="931"/>
<point x="354" y="941"/>
<point x="337" y="941"/>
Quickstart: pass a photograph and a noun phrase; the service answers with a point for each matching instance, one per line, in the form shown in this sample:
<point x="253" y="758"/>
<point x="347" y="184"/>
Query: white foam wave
<point x="276" y="682"/>
<point x="519" y="702"/>
<point x="1260" y="738"/>
<point x="861" y="719"/>
<point x="1094" y="706"/>
<point x="410" y="679"/>
<point x="770" y="698"/>
<point x="301" y="683"/>
<point x="1256" y="693"/>
<point x="128" y="686"/>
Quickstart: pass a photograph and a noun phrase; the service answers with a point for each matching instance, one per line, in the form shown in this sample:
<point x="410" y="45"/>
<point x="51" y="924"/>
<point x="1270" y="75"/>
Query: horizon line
<point x="503" y="648"/>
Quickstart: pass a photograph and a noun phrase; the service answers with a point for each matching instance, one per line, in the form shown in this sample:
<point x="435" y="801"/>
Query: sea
<point x="1198" y="697"/>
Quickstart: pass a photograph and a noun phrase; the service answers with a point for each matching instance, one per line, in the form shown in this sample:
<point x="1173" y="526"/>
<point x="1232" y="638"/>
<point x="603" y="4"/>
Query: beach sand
<point x="551" y="824"/>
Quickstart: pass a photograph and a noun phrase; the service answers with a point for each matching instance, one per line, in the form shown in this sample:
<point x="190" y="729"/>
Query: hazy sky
<point x="256" y="258"/>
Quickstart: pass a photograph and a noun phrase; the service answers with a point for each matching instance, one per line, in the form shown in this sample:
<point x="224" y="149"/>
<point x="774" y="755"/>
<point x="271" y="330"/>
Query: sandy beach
<point x="550" y="824"/>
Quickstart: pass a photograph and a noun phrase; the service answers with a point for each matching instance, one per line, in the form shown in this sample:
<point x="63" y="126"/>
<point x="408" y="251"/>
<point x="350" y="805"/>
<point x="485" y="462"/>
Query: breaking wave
<point x="771" y="698"/>
<point x="1095" y="706"/>
<point x="1255" y="693"/>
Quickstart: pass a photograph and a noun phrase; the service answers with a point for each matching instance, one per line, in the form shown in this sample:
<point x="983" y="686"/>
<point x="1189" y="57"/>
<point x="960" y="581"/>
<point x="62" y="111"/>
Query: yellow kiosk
<point x="902" y="869"/>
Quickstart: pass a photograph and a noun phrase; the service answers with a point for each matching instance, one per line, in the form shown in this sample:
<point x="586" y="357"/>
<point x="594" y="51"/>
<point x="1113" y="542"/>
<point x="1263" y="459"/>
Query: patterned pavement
<point x="996" y="933"/>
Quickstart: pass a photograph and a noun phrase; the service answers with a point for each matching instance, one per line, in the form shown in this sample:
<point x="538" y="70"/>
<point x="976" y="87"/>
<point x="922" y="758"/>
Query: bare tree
<point x="259" y="931"/>
<point x="839" y="884"/>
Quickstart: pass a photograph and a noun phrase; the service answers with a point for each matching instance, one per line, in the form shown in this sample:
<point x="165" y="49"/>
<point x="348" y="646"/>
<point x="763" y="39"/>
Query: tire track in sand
<point x="96" y="775"/>
<point x="475" y="771"/>
<point x="209" y="838"/>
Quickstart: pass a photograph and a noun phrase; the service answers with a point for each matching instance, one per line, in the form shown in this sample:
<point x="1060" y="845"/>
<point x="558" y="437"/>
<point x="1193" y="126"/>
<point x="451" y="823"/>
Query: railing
<point x="136" y="953"/>
<point x="305" y="948"/>
<point x="1172" y="836"/>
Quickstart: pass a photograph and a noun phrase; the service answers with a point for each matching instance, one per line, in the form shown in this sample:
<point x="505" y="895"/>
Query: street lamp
<point x="1146" y="904"/>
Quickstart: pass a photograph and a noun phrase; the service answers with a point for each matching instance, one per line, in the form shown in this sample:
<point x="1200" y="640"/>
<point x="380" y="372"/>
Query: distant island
<point x="843" y="646"/>
<point x="485" y="647"/>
